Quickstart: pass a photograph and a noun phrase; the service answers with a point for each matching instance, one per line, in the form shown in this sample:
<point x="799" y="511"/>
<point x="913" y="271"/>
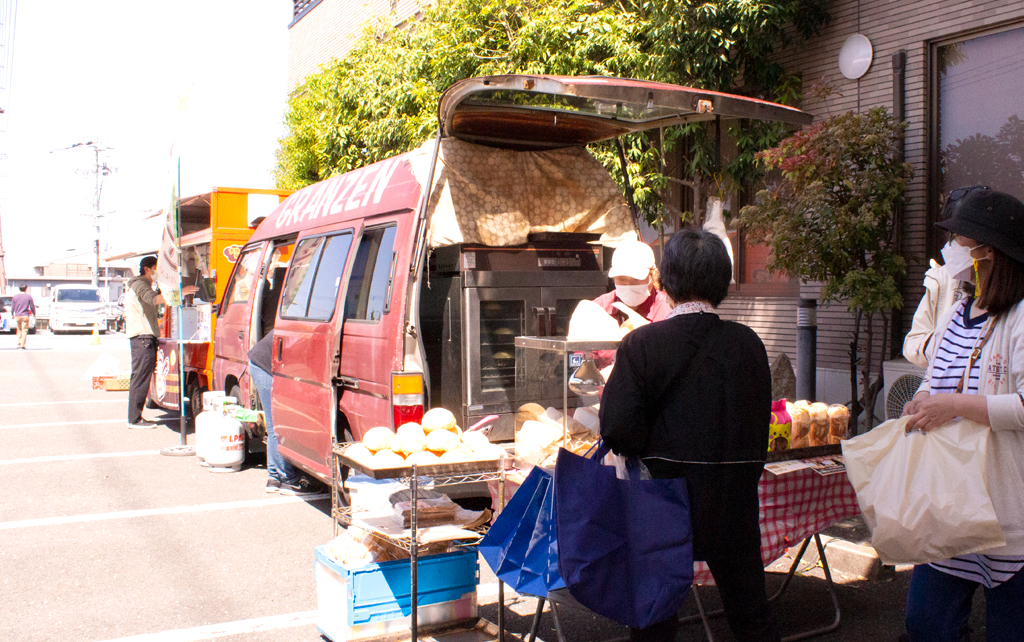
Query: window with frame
<point x="373" y="273"/>
<point x="977" y="117"/>
<point x="240" y="288"/>
<point x="314" y="277"/>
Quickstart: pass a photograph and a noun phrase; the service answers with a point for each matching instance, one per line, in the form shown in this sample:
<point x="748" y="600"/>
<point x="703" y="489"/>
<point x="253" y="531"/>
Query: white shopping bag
<point x="924" y="495"/>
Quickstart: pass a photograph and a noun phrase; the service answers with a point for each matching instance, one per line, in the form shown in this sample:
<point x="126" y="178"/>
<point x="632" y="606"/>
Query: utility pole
<point x="100" y="171"/>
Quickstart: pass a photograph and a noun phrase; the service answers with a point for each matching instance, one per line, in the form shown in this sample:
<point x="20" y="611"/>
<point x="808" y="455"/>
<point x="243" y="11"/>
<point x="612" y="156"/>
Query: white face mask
<point x="632" y="295"/>
<point x="958" y="259"/>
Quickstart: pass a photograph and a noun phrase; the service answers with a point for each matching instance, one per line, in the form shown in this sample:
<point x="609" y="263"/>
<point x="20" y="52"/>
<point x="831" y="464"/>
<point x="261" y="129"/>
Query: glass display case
<point x="558" y="393"/>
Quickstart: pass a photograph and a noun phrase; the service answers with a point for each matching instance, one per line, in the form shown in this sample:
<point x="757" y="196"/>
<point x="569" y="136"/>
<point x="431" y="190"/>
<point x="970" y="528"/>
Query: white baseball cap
<point x="633" y="259"/>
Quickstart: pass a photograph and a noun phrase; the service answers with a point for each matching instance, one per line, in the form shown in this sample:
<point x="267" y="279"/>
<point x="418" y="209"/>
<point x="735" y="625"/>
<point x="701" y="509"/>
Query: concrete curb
<point x="856" y="561"/>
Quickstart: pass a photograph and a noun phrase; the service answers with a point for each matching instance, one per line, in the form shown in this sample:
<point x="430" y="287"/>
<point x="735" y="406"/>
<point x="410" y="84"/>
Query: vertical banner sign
<point x="168" y="264"/>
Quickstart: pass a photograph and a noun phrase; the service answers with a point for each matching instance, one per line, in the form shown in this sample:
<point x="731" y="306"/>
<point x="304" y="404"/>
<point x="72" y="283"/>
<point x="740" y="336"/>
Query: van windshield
<point x="87" y="296"/>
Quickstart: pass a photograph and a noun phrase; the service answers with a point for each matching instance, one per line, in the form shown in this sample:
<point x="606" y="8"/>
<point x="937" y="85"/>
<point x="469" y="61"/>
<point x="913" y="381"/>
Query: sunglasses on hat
<point x="958" y="194"/>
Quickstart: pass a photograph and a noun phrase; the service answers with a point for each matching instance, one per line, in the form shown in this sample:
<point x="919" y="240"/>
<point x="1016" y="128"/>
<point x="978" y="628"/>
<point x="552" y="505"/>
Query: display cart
<point x="440" y="475"/>
<point x="560" y="373"/>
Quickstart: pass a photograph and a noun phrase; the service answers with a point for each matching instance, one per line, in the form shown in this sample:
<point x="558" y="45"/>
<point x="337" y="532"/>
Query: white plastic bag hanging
<point x="924" y="495"/>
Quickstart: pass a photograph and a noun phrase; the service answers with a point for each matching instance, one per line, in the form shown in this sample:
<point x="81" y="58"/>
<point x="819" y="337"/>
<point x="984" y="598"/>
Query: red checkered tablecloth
<point x="795" y="506"/>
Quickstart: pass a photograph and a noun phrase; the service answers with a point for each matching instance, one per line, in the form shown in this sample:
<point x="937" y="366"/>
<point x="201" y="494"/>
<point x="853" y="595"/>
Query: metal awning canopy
<point x="533" y="112"/>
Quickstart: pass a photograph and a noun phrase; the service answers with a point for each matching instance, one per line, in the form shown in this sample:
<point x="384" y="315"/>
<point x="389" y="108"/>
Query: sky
<point x="206" y="75"/>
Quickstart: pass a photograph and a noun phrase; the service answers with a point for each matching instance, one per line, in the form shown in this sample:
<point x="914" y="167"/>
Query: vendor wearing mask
<point x="633" y="273"/>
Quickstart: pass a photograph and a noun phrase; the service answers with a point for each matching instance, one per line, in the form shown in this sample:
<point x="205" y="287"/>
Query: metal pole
<point x="96" y="221"/>
<point x="806" y="349"/>
<point x="184" y="405"/>
<point x="413" y="556"/>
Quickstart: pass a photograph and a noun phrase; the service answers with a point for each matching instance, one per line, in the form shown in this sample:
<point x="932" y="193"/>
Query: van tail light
<point x="406" y="398"/>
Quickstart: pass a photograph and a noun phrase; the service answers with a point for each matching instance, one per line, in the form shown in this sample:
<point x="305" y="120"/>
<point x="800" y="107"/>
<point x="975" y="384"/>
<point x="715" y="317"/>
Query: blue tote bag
<point x="625" y="547"/>
<point x="520" y="546"/>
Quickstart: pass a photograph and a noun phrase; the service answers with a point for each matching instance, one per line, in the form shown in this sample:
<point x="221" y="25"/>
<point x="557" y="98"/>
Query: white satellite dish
<point x="855" y="56"/>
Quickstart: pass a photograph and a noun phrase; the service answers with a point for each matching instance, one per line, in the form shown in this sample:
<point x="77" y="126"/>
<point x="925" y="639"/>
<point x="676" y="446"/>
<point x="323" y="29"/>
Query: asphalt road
<point x="104" y="539"/>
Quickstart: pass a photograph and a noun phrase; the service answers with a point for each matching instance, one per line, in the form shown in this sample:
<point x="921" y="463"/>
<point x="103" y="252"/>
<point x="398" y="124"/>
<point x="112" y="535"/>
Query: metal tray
<point x="404" y="472"/>
<point x="805" y="453"/>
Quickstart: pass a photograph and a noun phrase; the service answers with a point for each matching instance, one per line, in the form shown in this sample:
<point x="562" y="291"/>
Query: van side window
<point x="241" y="284"/>
<point x="314" y="277"/>
<point x="324" y="297"/>
<point x="369" y="287"/>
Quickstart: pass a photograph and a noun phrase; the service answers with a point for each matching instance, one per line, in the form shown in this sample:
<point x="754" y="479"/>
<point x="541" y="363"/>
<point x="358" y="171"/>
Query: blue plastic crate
<point x="376" y="598"/>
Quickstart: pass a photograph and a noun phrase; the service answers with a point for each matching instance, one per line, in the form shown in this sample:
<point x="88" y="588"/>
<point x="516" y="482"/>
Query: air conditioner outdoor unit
<point x="900" y="380"/>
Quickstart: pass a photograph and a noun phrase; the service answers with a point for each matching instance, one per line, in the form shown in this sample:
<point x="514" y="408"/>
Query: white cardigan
<point x="1002" y="381"/>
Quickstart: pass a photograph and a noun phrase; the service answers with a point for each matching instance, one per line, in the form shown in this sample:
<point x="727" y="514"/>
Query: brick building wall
<point x="891" y="26"/>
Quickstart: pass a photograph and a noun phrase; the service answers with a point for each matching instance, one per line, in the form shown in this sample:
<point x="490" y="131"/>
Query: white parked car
<point x="7" y="319"/>
<point x="77" y="307"/>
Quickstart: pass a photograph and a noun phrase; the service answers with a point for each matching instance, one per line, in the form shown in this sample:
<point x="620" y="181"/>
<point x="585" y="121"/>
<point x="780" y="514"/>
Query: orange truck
<point x="214" y="226"/>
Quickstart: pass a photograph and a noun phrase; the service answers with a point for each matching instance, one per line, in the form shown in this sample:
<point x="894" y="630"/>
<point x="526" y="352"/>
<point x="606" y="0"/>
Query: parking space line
<point x="149" y="512"/>
<point x="35" y="460"/>
<point x="67" y="423"/>
<point x="211" y="631"/>
<point x="53" y="403"/>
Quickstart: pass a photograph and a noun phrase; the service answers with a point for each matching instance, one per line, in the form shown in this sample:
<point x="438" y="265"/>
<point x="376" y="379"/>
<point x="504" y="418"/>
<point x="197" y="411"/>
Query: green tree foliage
<point x="833" y="217"/>
<point x="381" y="99"/>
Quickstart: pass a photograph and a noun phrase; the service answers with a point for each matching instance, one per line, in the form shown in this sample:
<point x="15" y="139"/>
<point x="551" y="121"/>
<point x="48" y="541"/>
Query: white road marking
<point x="34" y="460"/>
<point x="173" y="510"/>
<point x="52" y="403"/>
<point x="259" y="624"/>
<point x="68" y="423"/>
<point x="212" y="631"/>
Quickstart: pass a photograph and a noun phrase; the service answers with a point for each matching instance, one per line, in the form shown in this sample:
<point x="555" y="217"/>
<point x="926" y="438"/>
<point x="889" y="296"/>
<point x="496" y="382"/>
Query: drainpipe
<point x="807" y="349"/>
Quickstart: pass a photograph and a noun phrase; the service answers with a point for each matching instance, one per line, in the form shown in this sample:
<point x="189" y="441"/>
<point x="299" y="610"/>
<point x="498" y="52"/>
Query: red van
<point x="386" y="298"/>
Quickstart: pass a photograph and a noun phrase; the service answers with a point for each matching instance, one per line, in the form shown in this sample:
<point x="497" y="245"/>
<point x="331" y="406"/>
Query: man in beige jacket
<point x="140" y="301"/>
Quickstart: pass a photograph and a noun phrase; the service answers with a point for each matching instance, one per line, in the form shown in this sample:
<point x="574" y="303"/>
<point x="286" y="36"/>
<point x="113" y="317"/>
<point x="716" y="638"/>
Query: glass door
<point x="494" y="317"/>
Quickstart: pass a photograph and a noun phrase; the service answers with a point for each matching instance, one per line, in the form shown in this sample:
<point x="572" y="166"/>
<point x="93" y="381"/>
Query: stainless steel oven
<point x="479" y="299"/>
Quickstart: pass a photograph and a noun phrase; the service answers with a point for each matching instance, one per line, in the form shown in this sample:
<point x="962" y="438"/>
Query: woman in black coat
<point x="711" y="428"/>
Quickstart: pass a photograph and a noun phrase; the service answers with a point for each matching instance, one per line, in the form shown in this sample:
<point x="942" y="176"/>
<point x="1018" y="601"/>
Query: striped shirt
<point x="951" y="358"/>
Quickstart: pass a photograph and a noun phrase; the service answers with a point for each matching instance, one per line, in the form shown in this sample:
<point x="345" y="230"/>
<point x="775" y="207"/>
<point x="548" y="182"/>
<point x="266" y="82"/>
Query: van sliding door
<point x="230" y="340"/>
<point x="303" y="346"/>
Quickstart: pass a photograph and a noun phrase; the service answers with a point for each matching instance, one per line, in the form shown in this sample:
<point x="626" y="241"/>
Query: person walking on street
<point x="140" y="303"/>
<point x="282" y="477"/>
<point x="22" y="307"/>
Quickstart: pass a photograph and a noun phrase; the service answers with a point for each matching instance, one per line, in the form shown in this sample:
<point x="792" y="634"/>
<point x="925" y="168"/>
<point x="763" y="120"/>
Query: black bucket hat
<point x="992" y="218"/>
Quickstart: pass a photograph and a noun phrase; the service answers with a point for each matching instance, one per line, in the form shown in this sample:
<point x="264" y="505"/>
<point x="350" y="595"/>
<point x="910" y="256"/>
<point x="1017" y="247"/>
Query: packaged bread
<point x="819" y="424"/>
<point x="553" y="417"/>
<point x="839" y="423"/>
<point x="780" y="430"/>
<point x="387" y="459"/>
<point x="800" y="430"/>
<point x="378" y="438"/>
<point x="588" y="416"/>
<point x="437" y="419"/>
<point x="428" y="511"/>
<point x="528" y="412"/>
